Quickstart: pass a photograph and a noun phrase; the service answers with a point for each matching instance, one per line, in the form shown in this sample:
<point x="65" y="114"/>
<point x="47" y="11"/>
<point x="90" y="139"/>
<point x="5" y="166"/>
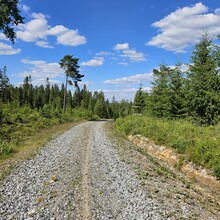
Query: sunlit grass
<point x="200" y="144"/>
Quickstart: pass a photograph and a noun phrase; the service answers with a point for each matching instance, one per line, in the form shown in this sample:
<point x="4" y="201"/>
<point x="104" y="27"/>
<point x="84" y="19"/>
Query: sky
<point x="118" y="42"/>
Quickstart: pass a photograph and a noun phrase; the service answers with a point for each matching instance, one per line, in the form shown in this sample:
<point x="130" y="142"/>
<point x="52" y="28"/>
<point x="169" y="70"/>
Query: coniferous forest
<point x="181" y="109"/>
<point x="27" y="108"/>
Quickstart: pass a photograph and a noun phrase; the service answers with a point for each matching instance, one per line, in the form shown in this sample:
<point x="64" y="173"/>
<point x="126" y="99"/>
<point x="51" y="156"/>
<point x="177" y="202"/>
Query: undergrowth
<point x="200" y="144"/>
<point x="18" y="124"/>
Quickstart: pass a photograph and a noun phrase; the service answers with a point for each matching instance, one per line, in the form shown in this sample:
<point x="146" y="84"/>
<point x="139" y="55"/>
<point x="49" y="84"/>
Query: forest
<point x="182" y="110"/>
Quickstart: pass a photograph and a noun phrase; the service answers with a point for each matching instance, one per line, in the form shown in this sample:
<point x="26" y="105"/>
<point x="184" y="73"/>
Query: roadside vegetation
<point x="27" y="109"/>
<point x="182" y="110"/>
<point x="200" y="144"/>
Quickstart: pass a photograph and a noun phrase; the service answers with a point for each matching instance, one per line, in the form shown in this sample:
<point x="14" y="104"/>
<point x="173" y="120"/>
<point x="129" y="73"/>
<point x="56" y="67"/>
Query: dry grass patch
<point x="31" y="146"/>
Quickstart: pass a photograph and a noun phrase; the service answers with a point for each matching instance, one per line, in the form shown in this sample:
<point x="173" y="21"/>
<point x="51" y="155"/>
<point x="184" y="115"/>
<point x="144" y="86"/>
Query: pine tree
<point x="70" y="65"/>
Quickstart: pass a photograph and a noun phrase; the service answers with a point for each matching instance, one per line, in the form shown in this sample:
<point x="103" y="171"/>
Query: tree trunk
<point x="64" y="97"/>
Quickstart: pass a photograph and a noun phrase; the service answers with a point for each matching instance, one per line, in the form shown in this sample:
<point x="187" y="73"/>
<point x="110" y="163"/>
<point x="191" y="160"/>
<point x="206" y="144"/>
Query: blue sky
<point x="118" y="42"/>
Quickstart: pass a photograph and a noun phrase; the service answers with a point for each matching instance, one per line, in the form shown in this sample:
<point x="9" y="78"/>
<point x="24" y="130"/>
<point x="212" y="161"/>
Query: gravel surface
<point x="83" y="174"/>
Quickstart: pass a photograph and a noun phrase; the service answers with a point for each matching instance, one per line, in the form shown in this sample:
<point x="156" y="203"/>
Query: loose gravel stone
<point x="80" y="175"/>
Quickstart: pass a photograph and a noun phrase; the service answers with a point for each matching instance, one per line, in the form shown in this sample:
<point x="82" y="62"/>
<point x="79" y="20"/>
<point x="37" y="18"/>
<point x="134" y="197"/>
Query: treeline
<point x="48" y="100"/>
<point x="193" y="93"/>
<point x="26" y="109"/>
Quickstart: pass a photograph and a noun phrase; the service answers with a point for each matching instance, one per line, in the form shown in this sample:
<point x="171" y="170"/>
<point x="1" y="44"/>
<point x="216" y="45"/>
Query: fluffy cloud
<point x="123" y="94"/>
<point x="25" y="8"/>
<point x="37" y="30"/>
<point x="2" y="37"/>
<point x="217" y="11"/>
<point x="136" y="79"/>
<point x="104" y="53"/>
<point x="124" y="46"/>
<point x="184" y="27"/>
<point x="40" y="70"/>
<point x="34" y="30"/>
<point x="6" y="49"/>
<point x="131" y="54"/>
<point x="44" y="44"/>
<point x="97" y="61"/>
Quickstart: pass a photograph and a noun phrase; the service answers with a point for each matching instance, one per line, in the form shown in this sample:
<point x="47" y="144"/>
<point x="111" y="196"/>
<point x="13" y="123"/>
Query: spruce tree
<point x="160" y="94"/>
<point x="177" y="91"/>
<point x="139" y="102"/>
<point x="4" y="85"/>
<point x="204" y="83"/>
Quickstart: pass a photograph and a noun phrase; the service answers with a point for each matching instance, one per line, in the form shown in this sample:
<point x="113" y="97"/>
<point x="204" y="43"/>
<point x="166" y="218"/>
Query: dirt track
<point x="85" y="174"/>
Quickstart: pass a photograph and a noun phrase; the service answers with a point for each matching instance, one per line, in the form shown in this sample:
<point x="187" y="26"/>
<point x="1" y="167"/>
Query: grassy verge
<point x="200" y="144"/>
<point x="30" y="146"/>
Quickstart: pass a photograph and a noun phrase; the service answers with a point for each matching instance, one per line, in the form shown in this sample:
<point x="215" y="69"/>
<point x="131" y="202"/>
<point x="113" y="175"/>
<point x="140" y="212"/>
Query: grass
<point x="29" y="147"/>
<point x="201" y="145"/>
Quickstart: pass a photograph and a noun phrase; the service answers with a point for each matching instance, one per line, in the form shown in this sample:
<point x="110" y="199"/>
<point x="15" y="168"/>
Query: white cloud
<point x="42" y="81"/>
<point x="44" y="44"/>
<point x="38" y="29"/>
<point x="57" y="30"/>
<point x="6" y="49"/>
<point x="136" y="79"/>
<point x="217" y="11"/>
<point x="184" y="27"/>
<point x="25" y="8"/>
<point x="2" y="37"/>
<point x="34" y="30"/>
<point x="71" y="38"/>
<point x="131" y="54"/>
<point x="40" y="69"/>
<point x="124" y="46"/>
<point x="104" y="53"/>
<point x="123" y="63"/>
<point x="97" y="61"/>
<point x="122" y="94"/>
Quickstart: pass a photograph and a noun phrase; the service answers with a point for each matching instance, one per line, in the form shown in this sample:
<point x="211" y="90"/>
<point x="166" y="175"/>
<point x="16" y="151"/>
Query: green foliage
<point x="204" y="84"/>
<point x="200" y="144"/>
<point x="167" y="97"/>
<point x="70" y="65"/>
<point x="194" y="94"/>
<point x="82" y="113"/>
<point x="139" y="102"/>
<point x="9" y="16"/>
<point x="160" y="92"/>
<point x="46" y="111"/>
<point x="26" y="109"/>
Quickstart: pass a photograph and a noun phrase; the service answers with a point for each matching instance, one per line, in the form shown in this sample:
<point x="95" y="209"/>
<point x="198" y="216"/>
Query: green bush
<point x="6" y="148"/>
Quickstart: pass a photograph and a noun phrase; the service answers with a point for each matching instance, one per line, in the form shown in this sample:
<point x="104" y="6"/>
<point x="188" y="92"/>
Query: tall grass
<point x="200" y="144"/>
<point x="18" y="124"/>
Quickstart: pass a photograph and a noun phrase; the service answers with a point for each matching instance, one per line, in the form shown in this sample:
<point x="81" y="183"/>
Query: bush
<point x="6" y="148"/>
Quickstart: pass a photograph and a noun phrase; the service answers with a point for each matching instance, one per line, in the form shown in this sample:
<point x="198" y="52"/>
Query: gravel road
<point x="85" y="174"/>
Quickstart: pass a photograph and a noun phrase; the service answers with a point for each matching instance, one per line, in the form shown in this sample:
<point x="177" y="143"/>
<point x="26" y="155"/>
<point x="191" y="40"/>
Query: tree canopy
<point x="9" y="16"/>
<point x="70" y="66"/>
